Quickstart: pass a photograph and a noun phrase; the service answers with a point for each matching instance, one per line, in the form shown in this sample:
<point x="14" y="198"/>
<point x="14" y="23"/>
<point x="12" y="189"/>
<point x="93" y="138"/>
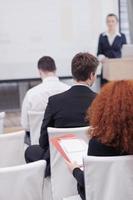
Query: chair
<point x="76" y="197"/>
<point x="2" y="116"/>
<point x="109" y="178"/>
<point x="63" y="183"/>
<point x="47" y="190"/>
<point x="35" y="122"/>
<point x="12" y="149"/>
<point x="24" y="182"/>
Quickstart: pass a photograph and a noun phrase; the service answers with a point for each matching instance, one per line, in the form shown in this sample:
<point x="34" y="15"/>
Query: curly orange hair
<point x="111" y="115"/>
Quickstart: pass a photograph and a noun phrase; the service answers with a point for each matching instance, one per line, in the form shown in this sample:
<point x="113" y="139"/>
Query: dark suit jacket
<point x="95" y="149"/>
<point x="65" y="110"/>
<point x="111" y="51"/>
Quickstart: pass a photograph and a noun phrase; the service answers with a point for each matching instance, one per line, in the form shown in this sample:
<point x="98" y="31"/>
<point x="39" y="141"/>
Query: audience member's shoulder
<point x="94" y="141"/>
<point x="96" y="148"/>
<point x="34" y="89"/>
<point x="94" y="94"/>
<point x="64" y="85"/>
<point x="59" y="95"/>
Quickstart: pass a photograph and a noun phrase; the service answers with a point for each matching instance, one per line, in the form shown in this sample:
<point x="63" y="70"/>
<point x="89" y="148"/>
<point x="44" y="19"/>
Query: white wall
<point x="30" y="29"/>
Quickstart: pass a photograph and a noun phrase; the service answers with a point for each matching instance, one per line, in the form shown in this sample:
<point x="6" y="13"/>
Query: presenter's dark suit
<point x="64" y="110"/>
<point x="111" y="51"/>
<point x="95" y="149"/>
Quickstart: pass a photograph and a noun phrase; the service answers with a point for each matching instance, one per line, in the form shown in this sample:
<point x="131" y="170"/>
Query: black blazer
<point x="95" y="149"/>
<point x="65" y="110"/>
<point x="111" y="51"/>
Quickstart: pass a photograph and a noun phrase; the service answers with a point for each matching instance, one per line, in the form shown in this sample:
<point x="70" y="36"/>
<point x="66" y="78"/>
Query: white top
<point x="36" y="98"/>
<point x="111" y="39"/>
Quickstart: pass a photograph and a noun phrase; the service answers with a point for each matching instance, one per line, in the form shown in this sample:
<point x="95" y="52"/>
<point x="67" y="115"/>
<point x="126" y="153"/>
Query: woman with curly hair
<point x="111" y="119"/>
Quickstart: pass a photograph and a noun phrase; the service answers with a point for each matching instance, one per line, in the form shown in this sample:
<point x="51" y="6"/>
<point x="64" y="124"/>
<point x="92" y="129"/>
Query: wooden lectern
<point x="118" y="69"/>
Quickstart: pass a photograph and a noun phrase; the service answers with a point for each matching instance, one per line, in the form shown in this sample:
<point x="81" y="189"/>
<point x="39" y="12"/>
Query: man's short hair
<point x="46" y="63"/>
<point x="113" y="15"/>
<point x="83" y="64"/>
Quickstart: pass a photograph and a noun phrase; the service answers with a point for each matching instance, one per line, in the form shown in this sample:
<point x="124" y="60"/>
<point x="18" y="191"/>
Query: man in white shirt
<point x="37" y="97"/>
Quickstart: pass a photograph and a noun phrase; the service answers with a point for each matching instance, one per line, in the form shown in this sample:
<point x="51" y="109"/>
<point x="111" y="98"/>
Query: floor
<point x="12" y="121"/>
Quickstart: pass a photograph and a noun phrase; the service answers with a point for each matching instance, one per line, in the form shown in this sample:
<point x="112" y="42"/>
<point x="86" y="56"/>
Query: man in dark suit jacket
<point x="67" y="109"/>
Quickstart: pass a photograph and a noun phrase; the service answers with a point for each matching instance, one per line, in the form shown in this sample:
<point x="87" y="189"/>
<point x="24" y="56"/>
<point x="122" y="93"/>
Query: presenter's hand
<point x="72" y="166"/>
<point x="104" y="60"/>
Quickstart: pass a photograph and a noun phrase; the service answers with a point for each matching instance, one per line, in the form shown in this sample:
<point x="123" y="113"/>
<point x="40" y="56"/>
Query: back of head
<point x="111" y="115"/>
<point x="83" y="65"/>
<point x="46" y="64"/>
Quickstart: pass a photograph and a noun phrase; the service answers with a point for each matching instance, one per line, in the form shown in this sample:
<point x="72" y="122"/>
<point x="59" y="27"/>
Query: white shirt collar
<point x="50" y="78"/>
<point x="81" y="84"/>
<point x="106" y="33"/>
<point x="110" y="37"/>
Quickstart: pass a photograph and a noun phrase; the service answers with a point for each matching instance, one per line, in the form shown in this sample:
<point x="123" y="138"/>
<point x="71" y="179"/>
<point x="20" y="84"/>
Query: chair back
<point x="109" y="178"/>
<point x="12" y="149"/>
<point x="63" y="182"/>
<point x="2" y="117"/>
<point x="35" y="122"/>
<point x="76" y="197"/>
<point x="24" y="182"/>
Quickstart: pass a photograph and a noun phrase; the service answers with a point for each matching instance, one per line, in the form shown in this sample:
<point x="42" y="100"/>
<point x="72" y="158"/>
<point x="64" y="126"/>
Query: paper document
<point x="75" y="149"/>
<point x="71" y="147"/>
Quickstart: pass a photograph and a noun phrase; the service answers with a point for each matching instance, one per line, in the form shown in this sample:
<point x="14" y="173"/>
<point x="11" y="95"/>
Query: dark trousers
<point x="34" y="153"/>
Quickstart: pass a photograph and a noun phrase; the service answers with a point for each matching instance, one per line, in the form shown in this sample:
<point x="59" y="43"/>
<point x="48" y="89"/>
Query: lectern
<point x="118" y="69"/>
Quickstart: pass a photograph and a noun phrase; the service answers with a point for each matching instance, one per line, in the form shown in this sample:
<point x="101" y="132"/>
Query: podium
<point x="118" y="69"/>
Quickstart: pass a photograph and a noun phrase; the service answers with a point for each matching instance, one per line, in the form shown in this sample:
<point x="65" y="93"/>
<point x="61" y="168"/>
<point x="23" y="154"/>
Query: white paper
<point x="75" y="149"/>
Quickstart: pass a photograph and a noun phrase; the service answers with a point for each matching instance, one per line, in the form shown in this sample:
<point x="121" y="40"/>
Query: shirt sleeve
<point x="24" y="113"/>
<point x="79" y="176"/>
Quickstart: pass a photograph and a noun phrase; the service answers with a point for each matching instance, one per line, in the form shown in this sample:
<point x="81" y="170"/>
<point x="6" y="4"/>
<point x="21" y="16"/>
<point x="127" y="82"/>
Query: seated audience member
<point x="67" y="109"/>
<point x="111" y="118"/>
<point x="36" y="99"/>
